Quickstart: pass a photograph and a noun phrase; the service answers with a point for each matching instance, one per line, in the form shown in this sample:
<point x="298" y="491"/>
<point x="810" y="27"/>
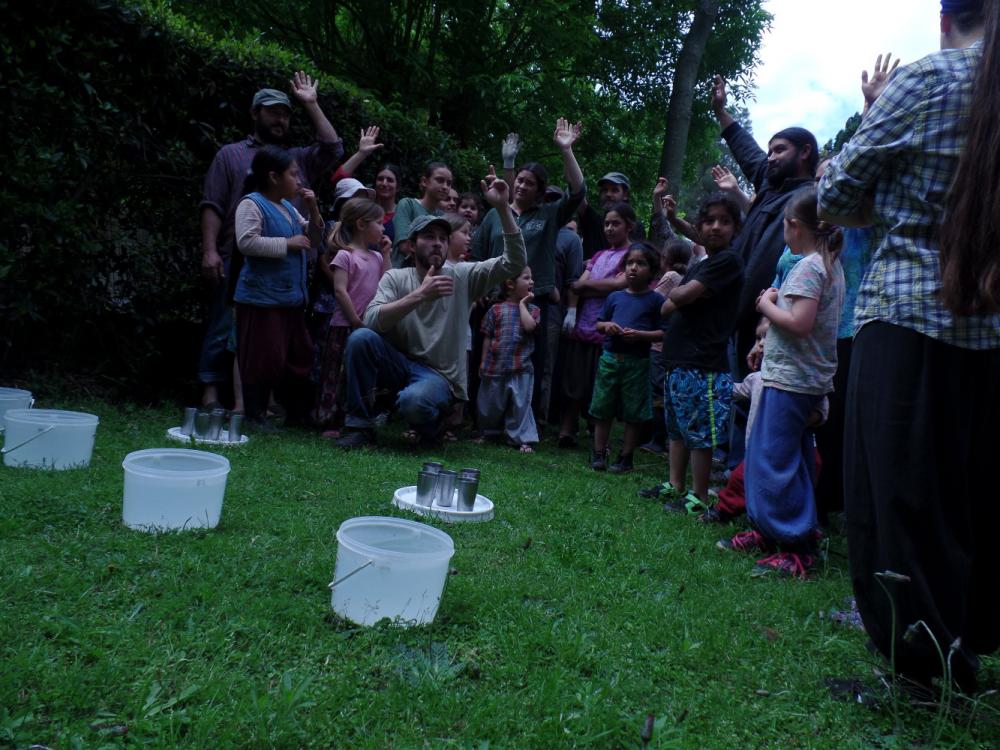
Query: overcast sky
<point x="811" y="60"/>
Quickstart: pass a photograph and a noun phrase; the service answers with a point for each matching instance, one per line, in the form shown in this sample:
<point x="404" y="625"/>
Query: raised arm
<point x="304" y="88"/>
<point x="508" y="151"/>
<point x="366" y="147"/>
<point x="719" y="101"/>
<point x="564" y="137"/>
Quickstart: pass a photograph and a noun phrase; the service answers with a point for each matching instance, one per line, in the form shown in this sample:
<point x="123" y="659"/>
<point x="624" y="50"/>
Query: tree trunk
<point x="682" y="92"/>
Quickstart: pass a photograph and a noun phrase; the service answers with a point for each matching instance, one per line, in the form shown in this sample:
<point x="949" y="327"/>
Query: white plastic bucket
<point x="389" y="567"/>
<point x="48" y="438"/>
<point x="173" y="488"/>
<point x="14" y="398"/>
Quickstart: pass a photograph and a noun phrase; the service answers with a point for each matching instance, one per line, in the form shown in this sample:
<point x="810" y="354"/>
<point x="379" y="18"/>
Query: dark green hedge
<point x="112" y="113"/>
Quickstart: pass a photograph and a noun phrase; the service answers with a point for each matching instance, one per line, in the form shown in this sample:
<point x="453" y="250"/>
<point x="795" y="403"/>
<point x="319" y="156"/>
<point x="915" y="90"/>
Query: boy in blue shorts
<point x="700" y="316"/>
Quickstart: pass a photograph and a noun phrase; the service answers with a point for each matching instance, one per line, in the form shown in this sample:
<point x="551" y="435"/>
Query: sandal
<point x="449" y="437"/>
<point x="525" y="448"/>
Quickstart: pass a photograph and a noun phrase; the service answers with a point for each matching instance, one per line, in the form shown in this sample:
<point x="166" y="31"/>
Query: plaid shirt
<point x="510" y="347"/>
<point x="905" y="154"/>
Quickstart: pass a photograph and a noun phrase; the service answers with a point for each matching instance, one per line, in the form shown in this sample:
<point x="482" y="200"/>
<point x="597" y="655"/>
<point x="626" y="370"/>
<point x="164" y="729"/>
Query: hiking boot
<point x="660" y="492"/>
<point x="745" y="541"/>
<point x="352" y="439"/>
<point x="784" y="564"/>
<point x="599" y="460"/>
<point x="622" y="465"/>
<point x="690" y="504"/>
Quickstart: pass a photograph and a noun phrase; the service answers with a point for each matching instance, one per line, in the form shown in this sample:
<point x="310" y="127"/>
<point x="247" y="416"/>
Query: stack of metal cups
<point x="468" y="487"/>
<point x="427" y="483"/>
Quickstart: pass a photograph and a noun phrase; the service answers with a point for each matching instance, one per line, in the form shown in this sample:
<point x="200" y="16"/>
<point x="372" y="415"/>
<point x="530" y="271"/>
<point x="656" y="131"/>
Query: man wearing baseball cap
<point x="417" y="327"/>
<point x="614" y="187"/>
<point x="270" y="112"/>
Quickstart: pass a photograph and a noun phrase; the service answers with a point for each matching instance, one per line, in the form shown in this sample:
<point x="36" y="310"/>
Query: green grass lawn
<point x="575" y="613"/>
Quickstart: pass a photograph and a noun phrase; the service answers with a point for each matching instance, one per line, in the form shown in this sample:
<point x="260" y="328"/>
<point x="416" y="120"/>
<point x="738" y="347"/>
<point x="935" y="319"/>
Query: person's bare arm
<point x="343" y="299"/>
<point x="564" y="137"/>
<point x="528" y="323"/>
<point x="599" y="287"/>
<point x="366" y="147"/>
<point x="304" y="88"/>
<point x="487" y="343"/>
<point x="798" y="320"/>
<point x="687" y="293"/>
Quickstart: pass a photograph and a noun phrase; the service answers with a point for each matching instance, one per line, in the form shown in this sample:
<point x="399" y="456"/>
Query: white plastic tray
<point x="406" y="498"/>
<point x="174" y="433"/>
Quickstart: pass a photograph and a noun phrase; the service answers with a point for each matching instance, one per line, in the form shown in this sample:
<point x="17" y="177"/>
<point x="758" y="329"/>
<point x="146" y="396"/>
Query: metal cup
<point x="445" y="493"/>
<point x="201" y="422"/>
<point x="432" y="466"/>
<point x="426" y="488"/>
<point x="215" y="421"/>
<point x="235" y="428"/>
<point x="467" y="487"/>
<point x="472" y="474"/>
<point x="188" y="425"/>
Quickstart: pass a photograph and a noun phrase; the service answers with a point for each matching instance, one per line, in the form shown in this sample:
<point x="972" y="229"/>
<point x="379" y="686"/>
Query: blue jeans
<point x="372" y="363"/>
<point x="214" y="363"/>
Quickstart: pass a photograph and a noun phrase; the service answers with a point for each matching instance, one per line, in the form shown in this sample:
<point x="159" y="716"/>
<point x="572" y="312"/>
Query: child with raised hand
<point x="585" y="300"/>
<point x="630" y="322"/>
<point x="274" y="346"/>
<point x="701" y="313"/>
<point x="357" y="267"/>
<point x="435" y="190"/>
<point x="506" y="373"/>
<point x="800" y="360"/>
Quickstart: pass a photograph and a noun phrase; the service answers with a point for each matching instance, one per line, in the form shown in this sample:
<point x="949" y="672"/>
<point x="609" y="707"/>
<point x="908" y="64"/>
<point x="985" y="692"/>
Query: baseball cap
<point x="270" y="98"/>
<point x="421" y="223"/>
<point x="616" y="178"/>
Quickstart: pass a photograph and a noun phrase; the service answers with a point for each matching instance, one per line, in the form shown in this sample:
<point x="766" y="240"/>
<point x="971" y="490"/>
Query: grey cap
<point x="616" y="178"/>
<point x="271" y="98"/>
<point x="421" y="223"/>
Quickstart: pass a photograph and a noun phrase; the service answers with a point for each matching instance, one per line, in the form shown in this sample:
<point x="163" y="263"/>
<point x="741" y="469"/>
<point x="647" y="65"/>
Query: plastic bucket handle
<point x="25" y="442"/>
<point x="344" y="578"/>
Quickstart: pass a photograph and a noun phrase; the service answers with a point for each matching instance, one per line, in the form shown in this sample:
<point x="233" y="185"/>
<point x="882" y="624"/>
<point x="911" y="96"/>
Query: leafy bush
<point x="112" y="114"/>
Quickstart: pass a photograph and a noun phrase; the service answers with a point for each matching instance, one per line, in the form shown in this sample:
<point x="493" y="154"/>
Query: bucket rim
<point x="7" y="392"/>
<point x="132" y="464"/>
<point x="55" y="417"/>
<point x="423" y="528"/>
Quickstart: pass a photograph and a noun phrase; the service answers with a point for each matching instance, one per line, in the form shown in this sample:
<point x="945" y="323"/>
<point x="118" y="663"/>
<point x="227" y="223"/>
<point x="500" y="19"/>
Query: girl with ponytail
<point x="800" y="359"/>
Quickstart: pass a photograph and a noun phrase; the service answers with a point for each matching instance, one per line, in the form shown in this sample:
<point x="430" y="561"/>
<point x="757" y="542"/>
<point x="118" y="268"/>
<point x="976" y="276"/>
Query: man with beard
<point x="790" y="163"/>
<point x="271" y="113"/>
<point x="417" y="327"/>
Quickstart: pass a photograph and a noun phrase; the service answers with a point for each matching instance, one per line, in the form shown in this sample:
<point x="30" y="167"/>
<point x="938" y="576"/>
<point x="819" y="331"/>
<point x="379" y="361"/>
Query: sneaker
<point x="745" y="541"/>
<point x="599" y="460"/>
<point x="657" y="449"/>
<point x="352" y="439"/>
<point x="661" y="492"/>
<point x="689" y="503"/>
<point x="784" y="564"/>
<point x="262" y="426"/>
<point x="622" y="465"/>
<point x="714" y="515"/>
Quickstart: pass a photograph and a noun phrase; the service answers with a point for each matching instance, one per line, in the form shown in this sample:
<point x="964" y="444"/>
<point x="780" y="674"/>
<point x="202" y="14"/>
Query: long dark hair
<point x="970" y="234"/>
<point x="267" y="159"/>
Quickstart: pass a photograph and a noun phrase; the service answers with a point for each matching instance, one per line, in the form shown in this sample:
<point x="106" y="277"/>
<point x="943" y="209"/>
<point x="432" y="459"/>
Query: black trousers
<point x="920" y="498"/>
<point x="830" y="439"/>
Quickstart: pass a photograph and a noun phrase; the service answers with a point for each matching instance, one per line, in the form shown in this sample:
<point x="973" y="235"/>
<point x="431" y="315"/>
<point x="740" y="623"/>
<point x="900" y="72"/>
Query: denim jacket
<point x="274" y="282"/>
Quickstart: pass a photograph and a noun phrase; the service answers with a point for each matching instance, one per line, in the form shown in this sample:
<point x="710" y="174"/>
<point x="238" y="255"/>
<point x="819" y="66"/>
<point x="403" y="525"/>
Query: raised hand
<point x="366" y="143"/>
<point x="670" y="206"/>
<point x="566" y="134"/>
<point x="304" y="88"/>
<point x="719" y="98"/>
<point x="527" y="298"/>
<point x="724" y="179"/>
<point x="508" y="150"/>
<point x="385" y="245"/>
<point x="872" y="88"/>
<point x="490" y="178"/>
<point x="496" y="192"/>
<point x="660" y="189"/>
